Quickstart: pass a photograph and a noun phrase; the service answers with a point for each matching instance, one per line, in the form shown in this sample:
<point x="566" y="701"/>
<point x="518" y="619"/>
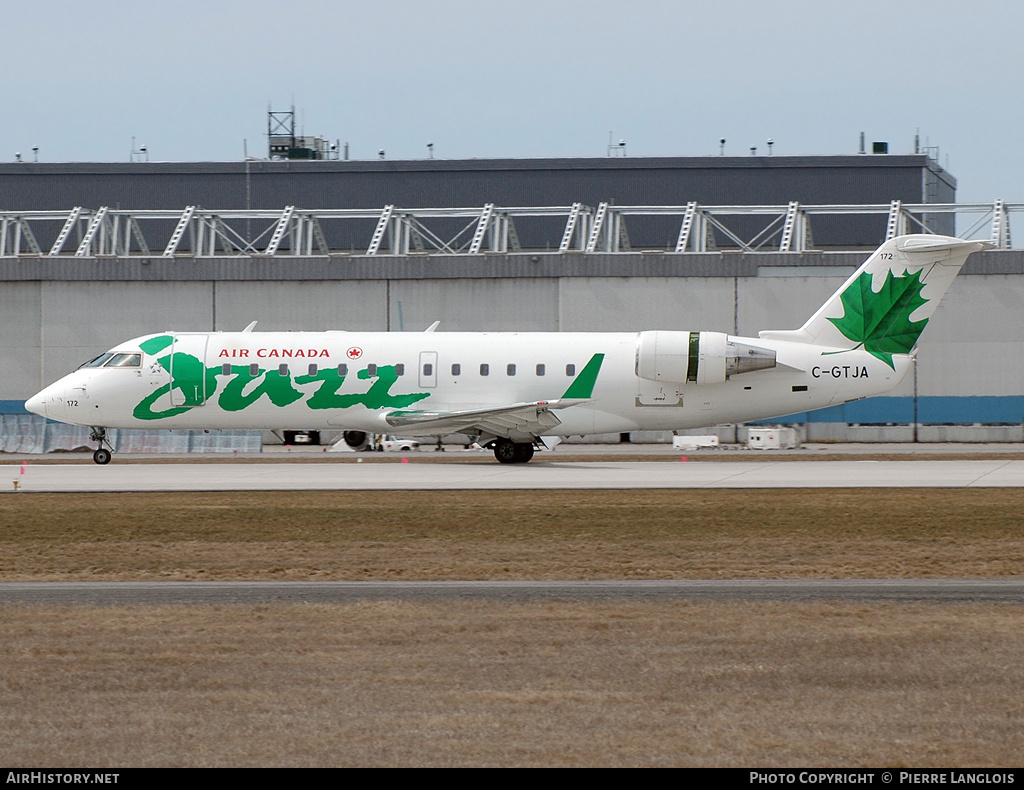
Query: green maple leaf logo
<point x="880" y="321"/>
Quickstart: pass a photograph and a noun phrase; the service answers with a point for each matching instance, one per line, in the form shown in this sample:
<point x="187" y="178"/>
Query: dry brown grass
<point x="558" y="683"/>
<point x="812" y="533"/>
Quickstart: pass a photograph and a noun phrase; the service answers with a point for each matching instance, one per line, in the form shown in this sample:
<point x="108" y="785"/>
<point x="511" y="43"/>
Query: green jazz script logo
<point x="243" y="388"/>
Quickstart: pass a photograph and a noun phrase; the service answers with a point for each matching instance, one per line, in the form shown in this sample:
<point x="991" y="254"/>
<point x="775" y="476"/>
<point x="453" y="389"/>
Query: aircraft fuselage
<point x="354" y="380"/>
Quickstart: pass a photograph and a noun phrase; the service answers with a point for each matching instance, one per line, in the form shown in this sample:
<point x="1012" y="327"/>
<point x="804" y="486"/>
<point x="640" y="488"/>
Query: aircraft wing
<point x="515" y="419"/>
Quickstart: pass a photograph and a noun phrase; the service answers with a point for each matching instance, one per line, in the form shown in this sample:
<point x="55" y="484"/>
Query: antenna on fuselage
<point x="251" y="326"/>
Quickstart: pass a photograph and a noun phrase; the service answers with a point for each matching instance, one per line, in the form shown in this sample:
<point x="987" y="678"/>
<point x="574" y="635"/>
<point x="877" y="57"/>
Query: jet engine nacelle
<point x="357" y="440"/>
<point x="697" y="357"/>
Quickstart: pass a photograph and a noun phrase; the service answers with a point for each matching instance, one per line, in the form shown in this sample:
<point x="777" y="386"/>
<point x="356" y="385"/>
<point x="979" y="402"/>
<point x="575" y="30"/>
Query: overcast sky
<point x="193" y="79"/>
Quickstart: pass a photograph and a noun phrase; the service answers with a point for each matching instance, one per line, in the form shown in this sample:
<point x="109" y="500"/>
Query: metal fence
<point x="27" y="433"/>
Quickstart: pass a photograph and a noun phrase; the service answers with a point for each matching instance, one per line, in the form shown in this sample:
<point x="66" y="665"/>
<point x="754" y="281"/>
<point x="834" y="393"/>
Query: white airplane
<point x="516" y="391"/>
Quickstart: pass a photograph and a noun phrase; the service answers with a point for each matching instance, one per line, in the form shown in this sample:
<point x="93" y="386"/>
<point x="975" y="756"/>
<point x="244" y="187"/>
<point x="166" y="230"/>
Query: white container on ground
<point x="772" y="438"/>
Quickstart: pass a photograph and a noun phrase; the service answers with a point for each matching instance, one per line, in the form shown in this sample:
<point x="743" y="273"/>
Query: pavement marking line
<point x="1000" y="467"/>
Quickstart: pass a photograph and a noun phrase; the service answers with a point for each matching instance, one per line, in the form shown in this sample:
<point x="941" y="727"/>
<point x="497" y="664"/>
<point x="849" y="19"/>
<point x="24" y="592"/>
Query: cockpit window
<point x="124" y="361"/>
<point x="97" y="362"/>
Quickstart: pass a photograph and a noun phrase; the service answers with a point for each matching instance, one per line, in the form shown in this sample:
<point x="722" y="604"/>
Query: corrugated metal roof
<point x="648" y="181"/>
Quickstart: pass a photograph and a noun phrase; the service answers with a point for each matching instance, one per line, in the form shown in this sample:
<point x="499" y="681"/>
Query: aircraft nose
<point x="37" y="404"/>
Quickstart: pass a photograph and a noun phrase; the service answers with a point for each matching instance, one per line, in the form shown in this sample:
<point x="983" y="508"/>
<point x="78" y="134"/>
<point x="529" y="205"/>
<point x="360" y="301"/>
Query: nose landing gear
<point x="101" y="455"/>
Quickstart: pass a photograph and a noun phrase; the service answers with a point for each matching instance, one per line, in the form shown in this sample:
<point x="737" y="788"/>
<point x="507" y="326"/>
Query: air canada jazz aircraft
<point x="516" y="391"/>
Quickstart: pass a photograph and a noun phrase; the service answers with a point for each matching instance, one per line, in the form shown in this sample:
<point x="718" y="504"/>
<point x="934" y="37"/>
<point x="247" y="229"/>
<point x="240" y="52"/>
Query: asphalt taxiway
<point x="163" y="593"/>
<point x="349" y="474"/>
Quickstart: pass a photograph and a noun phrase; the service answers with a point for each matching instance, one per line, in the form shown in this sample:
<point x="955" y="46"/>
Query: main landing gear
<point x="102" y="454"/>
<point x="509" y="452"/>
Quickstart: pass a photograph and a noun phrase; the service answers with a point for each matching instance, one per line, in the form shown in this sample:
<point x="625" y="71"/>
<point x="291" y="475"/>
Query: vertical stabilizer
<point x="888" y="301"/>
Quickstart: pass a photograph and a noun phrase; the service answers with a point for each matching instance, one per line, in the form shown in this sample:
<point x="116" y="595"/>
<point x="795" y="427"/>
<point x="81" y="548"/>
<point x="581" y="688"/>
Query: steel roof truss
<point x="492" y="229"/>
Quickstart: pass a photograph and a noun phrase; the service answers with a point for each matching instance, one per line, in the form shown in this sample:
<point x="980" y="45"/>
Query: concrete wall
<point x="626" y="304"/>
<point x="975" y="338"/>
<point x="77" y="320"/>
<point x="971" y="361"/>
<point x="21" y="339"/>
<point x="280" y="306"/>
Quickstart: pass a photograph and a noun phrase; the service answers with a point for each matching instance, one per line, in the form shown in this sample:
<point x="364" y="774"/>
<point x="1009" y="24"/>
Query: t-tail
<point x="888" y="301"/>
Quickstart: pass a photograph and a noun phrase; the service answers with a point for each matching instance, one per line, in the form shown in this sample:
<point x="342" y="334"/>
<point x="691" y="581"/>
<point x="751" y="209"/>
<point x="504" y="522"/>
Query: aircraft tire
<point x="524" y="452"/>
<point x="508" y="452"/>
<point x="101" y="456"/>
<point x="505" y="451"/>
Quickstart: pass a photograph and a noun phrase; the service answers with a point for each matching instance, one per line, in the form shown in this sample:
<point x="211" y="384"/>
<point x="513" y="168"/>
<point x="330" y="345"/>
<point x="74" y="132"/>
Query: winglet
<point x="582" y="386"/>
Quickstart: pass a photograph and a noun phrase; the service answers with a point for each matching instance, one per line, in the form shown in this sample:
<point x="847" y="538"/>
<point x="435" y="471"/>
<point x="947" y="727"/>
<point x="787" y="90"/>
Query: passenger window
<point x="510" y="370"/>
<point x="283" y="368"/>
<point x="540" y="369"/>
<point x="225" y="369"/>
<point x="399" y="369"/>
<point x="485" y="369"/>
<point x="254" y="369"/>
<point x="342" y="369"/>
<point x="456" y="369"/>
<point x="570" y="370"/>
<point x="313" y="368"/>
<point x="371" y="369"/>
<point x="428" y="369"/>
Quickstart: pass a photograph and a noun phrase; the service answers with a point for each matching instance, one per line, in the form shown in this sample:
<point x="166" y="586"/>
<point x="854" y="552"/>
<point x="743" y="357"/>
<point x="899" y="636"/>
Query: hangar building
<point x="492" y="245"/>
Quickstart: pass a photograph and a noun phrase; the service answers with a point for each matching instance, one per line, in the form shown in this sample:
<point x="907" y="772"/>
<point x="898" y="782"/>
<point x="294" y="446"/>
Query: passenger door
<point x="188" y="370"/>
<point x="428" y="369"/>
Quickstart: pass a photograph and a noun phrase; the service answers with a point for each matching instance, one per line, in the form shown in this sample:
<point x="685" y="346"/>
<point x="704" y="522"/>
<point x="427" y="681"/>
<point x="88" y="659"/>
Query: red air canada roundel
<point x="354" y="353"/>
